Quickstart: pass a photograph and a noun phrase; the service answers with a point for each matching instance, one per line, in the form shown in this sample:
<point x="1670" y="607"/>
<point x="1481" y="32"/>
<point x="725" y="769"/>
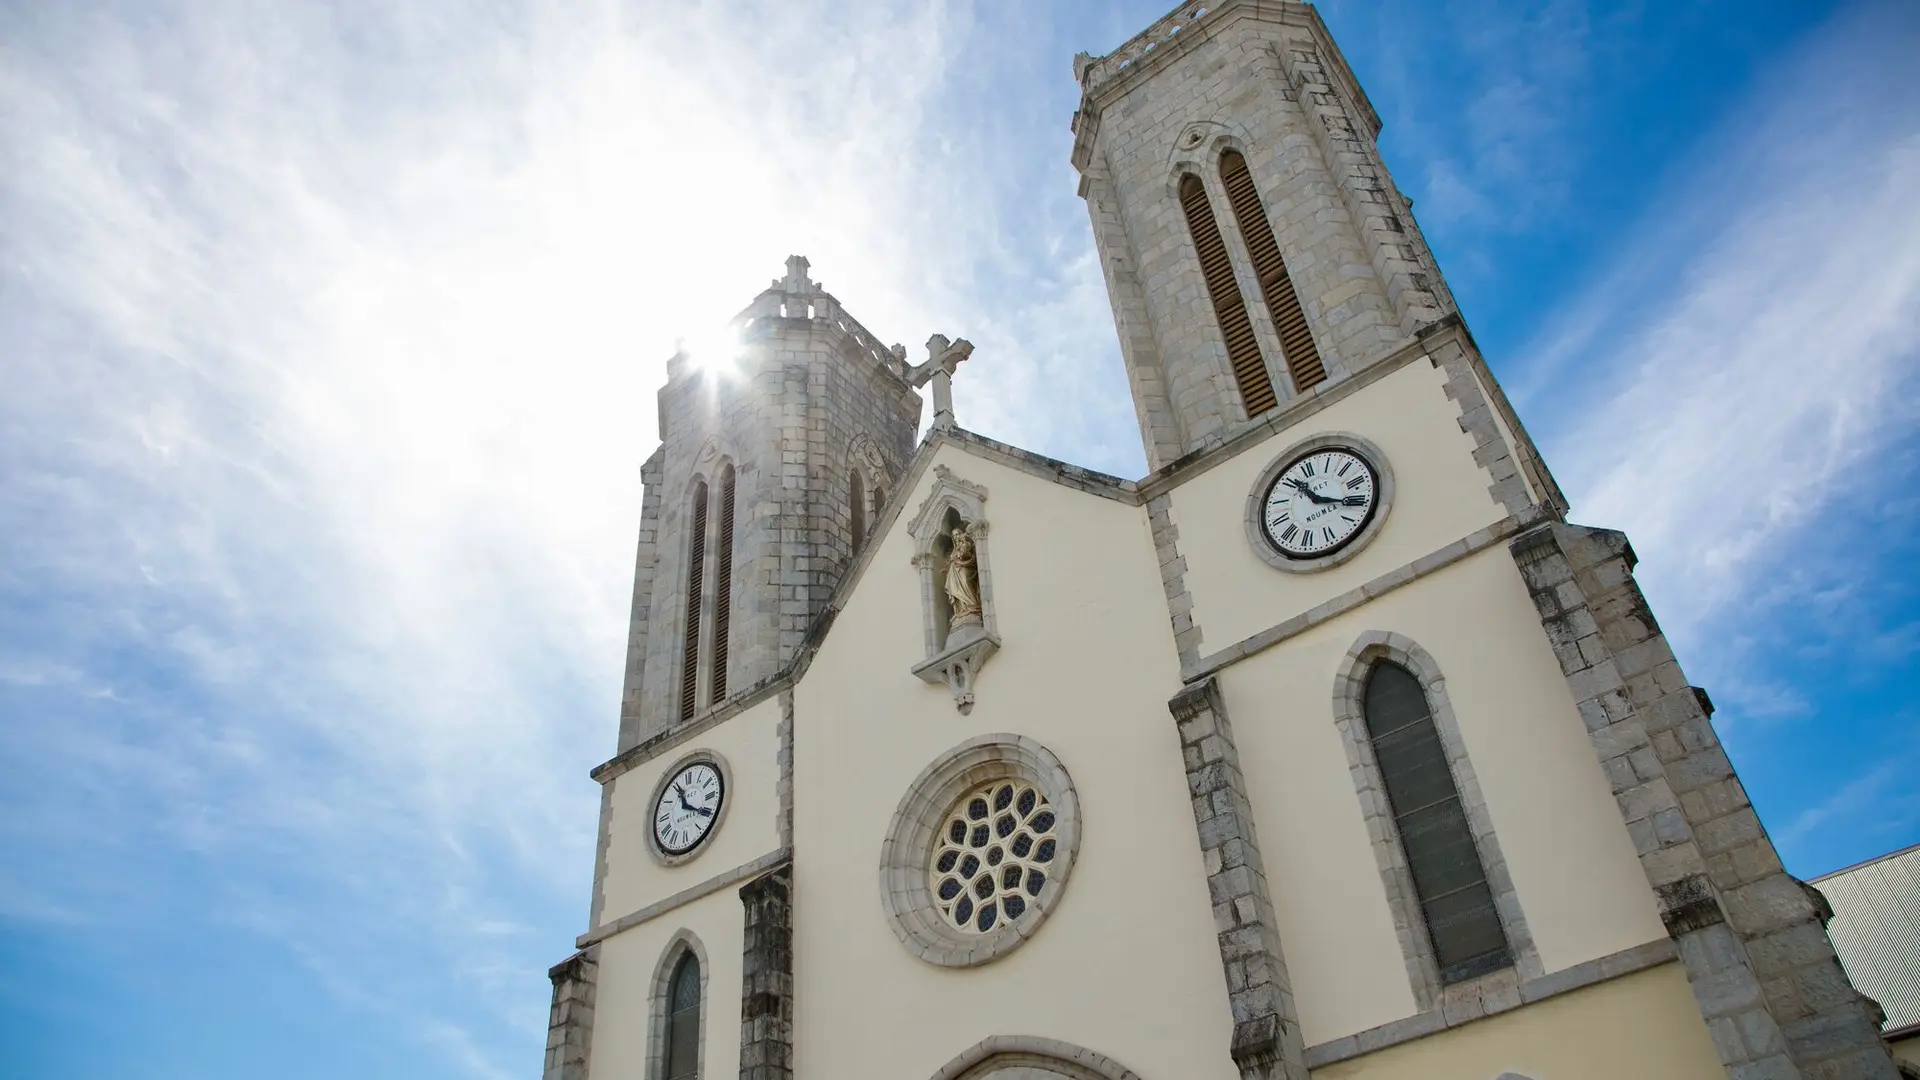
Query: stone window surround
<point x="1197" y="149"/>
<point x="659" y="992"/>
<point x="1326" y="440"/>
<point x="908" y="849"/>
<point x="1423" y="972"/>
<point x="702" y="756"/>
<point x="990" y="1055"/>
<point x="1202" y="162"/>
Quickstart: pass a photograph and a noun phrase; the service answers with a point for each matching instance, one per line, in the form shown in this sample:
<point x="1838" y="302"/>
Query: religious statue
<point x="963" y="579"/>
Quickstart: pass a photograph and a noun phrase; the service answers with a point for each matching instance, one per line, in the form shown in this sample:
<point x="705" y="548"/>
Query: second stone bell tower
<point x="1254" y="246"/>
<point x="774" y="460"/>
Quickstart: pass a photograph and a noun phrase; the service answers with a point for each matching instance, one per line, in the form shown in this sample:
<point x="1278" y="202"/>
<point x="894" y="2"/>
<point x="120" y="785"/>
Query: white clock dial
<point x="688" y="807"/>
<point x="1319" y="503"/>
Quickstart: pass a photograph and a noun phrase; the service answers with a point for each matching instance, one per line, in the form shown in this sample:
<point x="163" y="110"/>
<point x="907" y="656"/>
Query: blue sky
<point x="330" y="341"/>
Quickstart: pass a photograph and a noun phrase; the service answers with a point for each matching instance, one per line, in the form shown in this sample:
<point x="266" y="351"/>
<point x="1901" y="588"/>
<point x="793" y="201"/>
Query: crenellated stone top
<point x="1091" y="71"/>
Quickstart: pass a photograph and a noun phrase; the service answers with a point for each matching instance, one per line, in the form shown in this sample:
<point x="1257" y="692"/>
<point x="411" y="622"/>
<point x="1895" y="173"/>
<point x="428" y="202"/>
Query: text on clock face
<point x="1318" y="503"/>
<point x="687" y="808"/>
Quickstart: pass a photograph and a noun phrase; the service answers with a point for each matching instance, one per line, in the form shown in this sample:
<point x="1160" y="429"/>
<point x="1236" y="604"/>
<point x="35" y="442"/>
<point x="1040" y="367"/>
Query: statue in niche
<point x="963" y="579"/>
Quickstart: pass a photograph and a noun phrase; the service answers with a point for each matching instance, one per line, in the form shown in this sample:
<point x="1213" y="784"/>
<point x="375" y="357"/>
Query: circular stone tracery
<point x="979" y="850"/>
<point x="995" y="855"/>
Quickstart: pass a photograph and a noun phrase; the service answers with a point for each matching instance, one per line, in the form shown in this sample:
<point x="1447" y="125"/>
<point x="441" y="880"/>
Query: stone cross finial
<point x="943" y="357"/>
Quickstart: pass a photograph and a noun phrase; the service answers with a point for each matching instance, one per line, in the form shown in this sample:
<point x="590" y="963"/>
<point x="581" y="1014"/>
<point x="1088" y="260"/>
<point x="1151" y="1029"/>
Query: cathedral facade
<point x="1328" y="748"/>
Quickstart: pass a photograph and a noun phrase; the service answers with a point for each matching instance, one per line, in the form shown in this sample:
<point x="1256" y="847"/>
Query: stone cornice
<point x="1106" y="79"/>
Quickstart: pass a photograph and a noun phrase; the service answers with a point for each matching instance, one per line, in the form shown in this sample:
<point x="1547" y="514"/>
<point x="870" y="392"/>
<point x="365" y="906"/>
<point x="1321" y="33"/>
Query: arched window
<point x="1243" y="352"/>
<point x="723" y="585"/>
<point x="1448" y="876"/>
<point x="1296" y="341"/>
<point x="696" y="578"/>
<point x="680" y="1052"/>
<point x="856" y="510"/>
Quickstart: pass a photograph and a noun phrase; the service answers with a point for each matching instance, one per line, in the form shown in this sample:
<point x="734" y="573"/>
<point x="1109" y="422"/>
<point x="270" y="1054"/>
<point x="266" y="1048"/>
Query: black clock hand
<point x="1354" y="500"/>
<point x="1301" y="487"/>
<point x="701" y="810"/>
<point x="682" y="796"/>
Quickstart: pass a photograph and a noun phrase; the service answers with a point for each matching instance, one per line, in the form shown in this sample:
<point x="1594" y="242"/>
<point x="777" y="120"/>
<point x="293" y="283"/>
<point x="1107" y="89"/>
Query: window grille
<point x="1289" y="321"/>
<point x="1243" y="352"/>
<point x="1455" y="898"/>
<point x="681" y="1054"/>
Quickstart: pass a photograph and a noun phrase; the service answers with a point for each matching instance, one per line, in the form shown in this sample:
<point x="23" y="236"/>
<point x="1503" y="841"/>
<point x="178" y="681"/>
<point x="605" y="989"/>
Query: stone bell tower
<point x="1254" y="246"/>
<point x="773" y="462"/>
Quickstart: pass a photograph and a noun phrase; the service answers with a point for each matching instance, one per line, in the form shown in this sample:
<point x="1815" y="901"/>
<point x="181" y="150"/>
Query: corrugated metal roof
<point x="1876" y="930"/>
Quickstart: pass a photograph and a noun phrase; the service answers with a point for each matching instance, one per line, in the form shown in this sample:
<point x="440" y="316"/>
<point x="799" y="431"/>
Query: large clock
<point x="687" y="807"/>
<point x="1319" y="502"/>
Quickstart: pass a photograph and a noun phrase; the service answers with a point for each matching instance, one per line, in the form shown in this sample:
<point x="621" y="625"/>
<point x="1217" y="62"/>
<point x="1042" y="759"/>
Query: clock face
<point x="1319" y="503"/>
<point x="688" y="807"/>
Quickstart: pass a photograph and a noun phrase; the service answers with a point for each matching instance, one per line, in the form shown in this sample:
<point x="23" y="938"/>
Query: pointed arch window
<point x="680" y="1052"/>
<point x="696" y="579"/>
<point x="1455" y="896"/>
<point x="723" y="584"/>
<point x="1229" y="307"/>
<point x="856" y="510"/>
<point x="1289" y="321"/>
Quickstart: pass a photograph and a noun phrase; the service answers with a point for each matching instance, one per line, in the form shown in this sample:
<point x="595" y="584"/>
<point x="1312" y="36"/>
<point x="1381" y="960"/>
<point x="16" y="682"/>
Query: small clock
<point x="1319" y="502"/>
<point x="688" y="807"/>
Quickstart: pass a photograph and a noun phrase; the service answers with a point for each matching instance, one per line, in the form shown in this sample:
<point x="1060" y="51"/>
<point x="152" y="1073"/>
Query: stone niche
<point x="956" y="585"/>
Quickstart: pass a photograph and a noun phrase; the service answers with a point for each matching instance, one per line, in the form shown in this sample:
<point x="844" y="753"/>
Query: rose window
<point x="993" y="855"/>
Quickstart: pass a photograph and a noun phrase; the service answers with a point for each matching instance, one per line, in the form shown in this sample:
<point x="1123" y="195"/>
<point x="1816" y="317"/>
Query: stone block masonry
<point x="1266" y="80"/>
<point x="811" y="383"/>
<point x="766" y="993"/>
<point x="1751" y="937"/>
<point x="570" y="1023"/>
<point x="1266" y="1042"/>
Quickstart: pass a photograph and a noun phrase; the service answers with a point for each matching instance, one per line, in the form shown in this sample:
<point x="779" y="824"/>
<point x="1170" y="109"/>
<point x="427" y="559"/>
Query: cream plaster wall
<point x="1573" y="866"/>
<point x="1127" y="964"/>
<point x="1441" y="496"/>
<point x="750" y="742"/>
<point x="1645" y="1026"/>
<point x="623" y="1009"/>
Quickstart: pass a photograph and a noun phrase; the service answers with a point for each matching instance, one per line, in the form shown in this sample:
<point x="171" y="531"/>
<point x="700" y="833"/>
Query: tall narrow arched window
<point x="696" y="580"/>
<point x="680" y="1052"/>
<point x="1289" y="321"/>
<point x="1243" y="352"/>
<point x="1448" y="876"/>
<point x="723" y="585"/>
<point x="856" y="510"/>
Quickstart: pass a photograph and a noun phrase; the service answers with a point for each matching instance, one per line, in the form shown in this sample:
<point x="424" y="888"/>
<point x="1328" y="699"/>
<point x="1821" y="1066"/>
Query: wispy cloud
<point x="1738" y="391"/>
<point x="333" y="337"/>
<point x="1880" y="801"/>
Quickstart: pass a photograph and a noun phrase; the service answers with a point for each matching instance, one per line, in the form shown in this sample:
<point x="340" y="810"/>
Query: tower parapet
<point x="772" y="463"/>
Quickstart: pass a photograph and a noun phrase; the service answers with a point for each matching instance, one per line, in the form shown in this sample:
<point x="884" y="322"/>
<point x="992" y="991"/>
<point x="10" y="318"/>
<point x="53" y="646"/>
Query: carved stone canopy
<point x="956" y="596"/>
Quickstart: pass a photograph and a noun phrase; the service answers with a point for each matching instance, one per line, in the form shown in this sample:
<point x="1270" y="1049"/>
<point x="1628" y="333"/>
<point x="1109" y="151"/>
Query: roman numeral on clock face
<point x="1318" y="502"/>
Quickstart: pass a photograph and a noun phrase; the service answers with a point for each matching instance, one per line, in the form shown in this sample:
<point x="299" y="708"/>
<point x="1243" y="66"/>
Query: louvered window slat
<point x="1243" y="350"/>
<point x="1289" y="321"/>
<point x="696" y="573"/>
<point x="723" y="586"/>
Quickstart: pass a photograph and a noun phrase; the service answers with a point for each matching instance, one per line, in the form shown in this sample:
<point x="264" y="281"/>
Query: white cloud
<point x="1724" y="394"/>
<point x="333" y="339"/>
